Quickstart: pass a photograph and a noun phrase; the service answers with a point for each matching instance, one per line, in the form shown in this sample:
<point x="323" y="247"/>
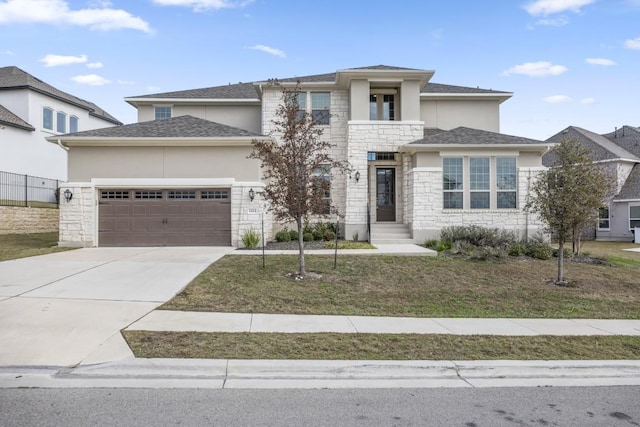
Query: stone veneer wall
<point x="429" y="217"/>
<point x="19" y="220"/>
<point x="365" y="136"/>
<point x="247" y="214"/>
<point x="77" y="217"/>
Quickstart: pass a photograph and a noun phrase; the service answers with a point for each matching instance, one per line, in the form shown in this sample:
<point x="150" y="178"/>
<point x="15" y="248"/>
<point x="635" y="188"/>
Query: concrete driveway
<point x="68" y="308"/>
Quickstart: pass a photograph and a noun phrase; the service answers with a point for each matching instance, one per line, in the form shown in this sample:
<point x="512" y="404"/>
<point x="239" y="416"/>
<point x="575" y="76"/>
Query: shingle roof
<point x="601" y="148"/>
<point x="15" y="78"/>
<point x="249" y="91"/>
<point x="10" y="119"/>
<point x="628" y="137"/>
<point x="175" y="127"/>
<point x="463" y="135"/>
<point x="631" y="187"/>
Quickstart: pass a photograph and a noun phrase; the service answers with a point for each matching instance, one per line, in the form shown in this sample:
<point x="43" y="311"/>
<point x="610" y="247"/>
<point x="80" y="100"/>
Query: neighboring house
<point x="30" y="111"/>
<point x="619" y="154"/>
<point x="423" y="156"/>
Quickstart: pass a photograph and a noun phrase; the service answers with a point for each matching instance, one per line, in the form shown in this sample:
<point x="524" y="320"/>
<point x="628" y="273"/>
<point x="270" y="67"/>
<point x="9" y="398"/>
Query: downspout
<point x="62" y="146"/>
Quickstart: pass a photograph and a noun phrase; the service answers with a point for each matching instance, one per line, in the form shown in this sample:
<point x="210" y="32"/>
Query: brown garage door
<point x="174" y="217"/>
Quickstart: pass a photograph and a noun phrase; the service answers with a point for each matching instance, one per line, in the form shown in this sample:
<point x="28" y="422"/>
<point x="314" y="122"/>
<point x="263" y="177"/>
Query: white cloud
<point x="536" y="69"/>
<point x="553" y="22"/>
<point x="202" y="5"/>
<point x="91" y="80"/>
<point x="549" y="7"/>
<point x="97" y="17"/>
<point x="126" y="82"/>
<point x="633" y="43"/>
<point x="51" y="60"/>
<point x="95" y="65"/>
<point x="6" y="52"/>
<point x="269" y="50"/>
<point x="600" y="61"/>
<point x="557" y="99"/>
<point x="152" y="88"/>
<point x="588" y="101"/>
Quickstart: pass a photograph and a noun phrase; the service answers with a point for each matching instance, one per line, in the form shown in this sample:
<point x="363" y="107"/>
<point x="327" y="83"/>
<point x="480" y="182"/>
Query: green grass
<point x="14" y="246"/>
<point x="345" y="244"/>
<point x="414" y="287"/>
<point x="378" y="347"/>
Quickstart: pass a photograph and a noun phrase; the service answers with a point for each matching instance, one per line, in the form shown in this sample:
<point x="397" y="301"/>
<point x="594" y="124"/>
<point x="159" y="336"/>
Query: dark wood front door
<point x="385" y="194"/>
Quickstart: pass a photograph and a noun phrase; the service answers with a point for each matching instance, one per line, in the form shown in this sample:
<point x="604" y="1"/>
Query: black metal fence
<point x="27" y="190"/>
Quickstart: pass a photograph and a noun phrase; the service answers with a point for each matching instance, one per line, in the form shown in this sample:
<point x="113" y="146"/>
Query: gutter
<point x="62" y="146"/>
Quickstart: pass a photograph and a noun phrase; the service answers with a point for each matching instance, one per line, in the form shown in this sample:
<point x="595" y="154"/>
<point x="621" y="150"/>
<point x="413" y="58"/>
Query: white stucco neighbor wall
<point x="362" y="137"/>
<point x="428" y="216"/>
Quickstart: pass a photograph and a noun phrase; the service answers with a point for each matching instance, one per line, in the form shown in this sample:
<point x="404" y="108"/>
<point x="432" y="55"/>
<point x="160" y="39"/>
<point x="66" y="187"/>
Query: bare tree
<point x="568" y="195"/>
<point x="295" y="164"/>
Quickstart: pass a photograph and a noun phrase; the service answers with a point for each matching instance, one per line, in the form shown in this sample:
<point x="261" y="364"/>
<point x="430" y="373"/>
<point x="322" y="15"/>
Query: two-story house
<point x="423" y="156"/>
<point x="618" y="153"/>
<point x="30" y="111"/>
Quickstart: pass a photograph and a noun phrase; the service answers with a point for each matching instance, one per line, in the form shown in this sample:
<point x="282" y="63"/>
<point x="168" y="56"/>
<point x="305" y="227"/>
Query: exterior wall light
<point x="357" y="176"/>
<point x="252" y="194"/>
<point x="68" y="195"/>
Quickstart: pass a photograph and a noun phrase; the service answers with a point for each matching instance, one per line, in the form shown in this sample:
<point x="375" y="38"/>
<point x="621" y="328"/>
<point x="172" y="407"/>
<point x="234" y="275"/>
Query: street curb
<point x="334" y="374"/>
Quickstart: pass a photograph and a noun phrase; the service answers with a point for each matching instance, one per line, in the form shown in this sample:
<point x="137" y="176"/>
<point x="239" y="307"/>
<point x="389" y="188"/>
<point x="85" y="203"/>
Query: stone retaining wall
<point x="18" y="220"/>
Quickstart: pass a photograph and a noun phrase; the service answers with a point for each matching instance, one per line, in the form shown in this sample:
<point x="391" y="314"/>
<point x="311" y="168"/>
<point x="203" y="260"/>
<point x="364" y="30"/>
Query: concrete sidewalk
<point x="164" y="320"/>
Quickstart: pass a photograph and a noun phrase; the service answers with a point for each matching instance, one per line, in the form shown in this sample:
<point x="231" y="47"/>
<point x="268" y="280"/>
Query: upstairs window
<point x="61" y="122"/>
<point x="73" y="124"/>
<point x="47" y="118"/>
<point x="320" y="107"/>
<point x="301" y="98"/>
<point x="382" y="106"/>
<point x="163" y="113"/>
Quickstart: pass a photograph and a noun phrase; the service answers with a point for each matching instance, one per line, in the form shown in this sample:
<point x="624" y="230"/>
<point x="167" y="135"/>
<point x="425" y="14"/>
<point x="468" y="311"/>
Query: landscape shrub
<point x="329" y="236"/>
<point x="517" y="249"/>
<point x="251" y="238"/>
<point x="539" y="250"/>
<point x="307" y="237"/>
<point x="283" y="235"/>
<point x="568" y="253"/>
<point x="293" y="234"/>
<point x="479" y="236"/>
<point x="431" y="244"/>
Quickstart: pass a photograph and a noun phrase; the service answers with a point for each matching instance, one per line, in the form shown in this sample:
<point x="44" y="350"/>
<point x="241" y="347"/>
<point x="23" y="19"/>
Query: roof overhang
<point x="443" y="96"/>
<point x="344" y="77"/>
<point x="416" y="148"/>
<point x="238" y="141"/>
<point x="193" y="101"/>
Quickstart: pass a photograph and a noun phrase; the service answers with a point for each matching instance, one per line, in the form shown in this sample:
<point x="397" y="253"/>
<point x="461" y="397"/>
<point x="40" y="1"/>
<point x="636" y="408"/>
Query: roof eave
<point x="97" y="141"/>
<point x="414" y="148"/>
<point x="16" y="125"/>
<point x="438" y="96"/>
<point x="144" y="101"/>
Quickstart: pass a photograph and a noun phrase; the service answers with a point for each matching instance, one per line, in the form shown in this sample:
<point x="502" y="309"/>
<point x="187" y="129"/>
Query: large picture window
<point x="452" y="183"/>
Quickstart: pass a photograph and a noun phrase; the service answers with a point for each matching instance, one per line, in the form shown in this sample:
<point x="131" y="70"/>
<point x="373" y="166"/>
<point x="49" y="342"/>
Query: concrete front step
<point x="390" y="233"/>
<point x="391" y="241"/>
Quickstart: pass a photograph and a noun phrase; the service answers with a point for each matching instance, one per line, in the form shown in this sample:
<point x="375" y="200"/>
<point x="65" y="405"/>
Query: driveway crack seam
<point x="457" y="368"/>
<point x="226" y="374"/>
<point x="352" y="324"/>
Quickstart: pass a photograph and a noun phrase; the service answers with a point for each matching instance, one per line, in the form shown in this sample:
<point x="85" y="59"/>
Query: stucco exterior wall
<point x="247" y="117"/>
<point x="450" y="114"/>
<point x="86" y="163"/>
<point x="19" y="220"/>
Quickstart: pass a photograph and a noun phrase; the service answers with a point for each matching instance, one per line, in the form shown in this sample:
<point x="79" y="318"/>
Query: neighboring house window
<point x="604" y="220"/>
<point x="634" y="216"/>
<point x="47" y="118"/>
<point x="302" y="105"/>
<point x="61" y="122"/>
<point x="163" y="113"/>
<point x="506" y="178"/>
<point x="382" y="106"/>
<point x="452" y="183"/>
<point x="322" y="175"/>
<point x="320" y="102"/>
<point x="73" y="124"/>
<point x="479" y="181"/>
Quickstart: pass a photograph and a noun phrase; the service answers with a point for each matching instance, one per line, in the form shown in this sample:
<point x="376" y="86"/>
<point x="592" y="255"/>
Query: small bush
<point x="431" y="244"/>
<point x="329" y="236"/>
<point x="251" y="238"/>
<point x="307" y="227"/>
<point x="317" y="235"/>
<point x="283" y="236"/>
<point x="517" y="249"/>
<point x="479" y="236"/>
<point x="307" y="237"/>
<point x="539" y="251"/>
<point x="568" y="253"/>
<point x="355" y="236"/>
<point x="444" y="245"/>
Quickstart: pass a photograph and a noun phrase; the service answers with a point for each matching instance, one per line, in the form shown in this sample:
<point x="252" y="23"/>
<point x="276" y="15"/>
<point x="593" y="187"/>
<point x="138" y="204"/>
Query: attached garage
<point x="164" y="217"/>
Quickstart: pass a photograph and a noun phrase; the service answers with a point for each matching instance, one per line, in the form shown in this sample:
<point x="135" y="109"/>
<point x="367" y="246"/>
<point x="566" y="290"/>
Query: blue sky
<point x="568" y="62"/>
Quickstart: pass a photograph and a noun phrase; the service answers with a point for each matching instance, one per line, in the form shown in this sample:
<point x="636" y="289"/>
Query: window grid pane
<point x="479" y="175"/>
<point x="453" y="175"/>
<point x="163" y="113"/>
<point x="506" y="173"/>
<point x="73" y="124"/>
<point x="114" y="194"/>
<point x="214" y="194"/>
<point x="479" y="200"/>
<point x="453" y="200"/>
<point x="61" y="122"/>
<point x="506" y="200"/>
<point x="156" y="195"/>
<point x="180" y="194"/>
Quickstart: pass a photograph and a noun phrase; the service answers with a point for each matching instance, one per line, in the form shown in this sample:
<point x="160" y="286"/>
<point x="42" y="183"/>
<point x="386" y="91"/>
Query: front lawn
<point x="14" y="246"/>
<point x="416" y="287"/>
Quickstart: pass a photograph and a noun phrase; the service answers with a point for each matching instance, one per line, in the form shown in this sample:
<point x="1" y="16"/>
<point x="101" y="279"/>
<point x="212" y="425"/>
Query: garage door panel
<point x="167" y="217"/>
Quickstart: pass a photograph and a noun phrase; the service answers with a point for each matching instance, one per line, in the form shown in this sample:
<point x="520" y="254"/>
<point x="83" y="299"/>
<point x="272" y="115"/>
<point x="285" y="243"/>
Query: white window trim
<point x="77" y="123"/>
<point x="629" y="219"/>
<point x="608" y="219"/>
<point x="52" y="118"/>
<point x="170" y="107"/>
<point x="64" y="122"/>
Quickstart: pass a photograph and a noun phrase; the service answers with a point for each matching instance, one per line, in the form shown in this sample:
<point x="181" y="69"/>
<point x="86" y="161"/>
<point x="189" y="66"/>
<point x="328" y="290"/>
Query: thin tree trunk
<point x="560" y="262"/>
<point x="302" y="269"/>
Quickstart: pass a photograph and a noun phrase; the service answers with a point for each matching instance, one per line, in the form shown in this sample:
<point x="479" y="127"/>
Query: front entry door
<point x="385" y="194"/>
